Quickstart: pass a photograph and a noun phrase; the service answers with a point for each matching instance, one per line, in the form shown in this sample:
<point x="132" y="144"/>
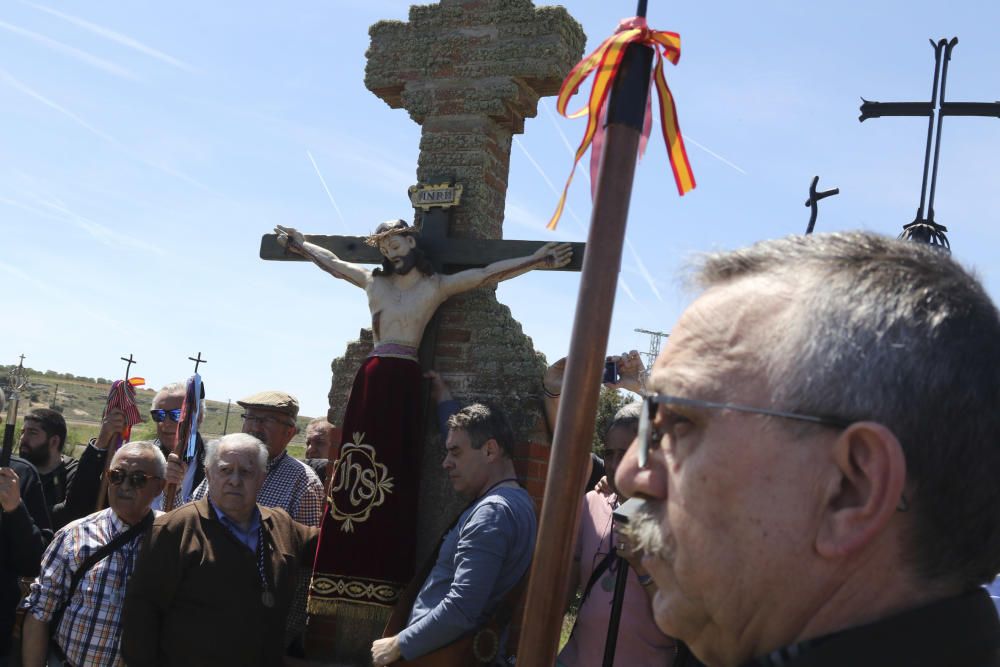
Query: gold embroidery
<point x="360" y="484"/>
<point x="356" y="590"/>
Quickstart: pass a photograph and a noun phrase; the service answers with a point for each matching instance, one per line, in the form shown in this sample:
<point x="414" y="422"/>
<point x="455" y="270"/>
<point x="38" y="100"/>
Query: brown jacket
<point x="195" y="596"/>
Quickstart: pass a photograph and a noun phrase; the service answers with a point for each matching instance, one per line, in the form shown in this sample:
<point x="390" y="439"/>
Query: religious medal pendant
<point x="267" y="598"/>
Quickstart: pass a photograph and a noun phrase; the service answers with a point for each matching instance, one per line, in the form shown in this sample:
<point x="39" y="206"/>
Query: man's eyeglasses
<point x="160" y="415"/>
<point x="649" y="438"/>
<point x="138" y="479"/>
<point x="248" y="418"/>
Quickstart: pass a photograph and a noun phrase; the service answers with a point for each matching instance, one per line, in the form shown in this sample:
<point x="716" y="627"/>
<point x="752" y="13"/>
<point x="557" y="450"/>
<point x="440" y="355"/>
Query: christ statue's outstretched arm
<point x="550" y="256"/>
<point x="293" y="240"/>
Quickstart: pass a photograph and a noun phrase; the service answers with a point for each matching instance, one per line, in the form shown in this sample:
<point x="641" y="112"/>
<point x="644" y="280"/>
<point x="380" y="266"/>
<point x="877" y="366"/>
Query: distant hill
<point x="81" y="401"/>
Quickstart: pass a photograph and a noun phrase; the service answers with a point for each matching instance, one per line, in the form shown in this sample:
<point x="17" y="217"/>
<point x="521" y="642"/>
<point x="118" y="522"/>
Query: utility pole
<point x="655" y="338"/>
<point x="55" y="395"/>
<point x="225" y="425"/>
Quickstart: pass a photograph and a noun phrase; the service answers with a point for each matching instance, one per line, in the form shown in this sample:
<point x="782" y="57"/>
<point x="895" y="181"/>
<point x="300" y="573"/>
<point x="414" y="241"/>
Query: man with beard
<point x="373" y="498"/>
<point x="288" y="483"/>
<point x="24" y="524"/>
<point x="819" y="459"/>
<point x="70" y="486"/>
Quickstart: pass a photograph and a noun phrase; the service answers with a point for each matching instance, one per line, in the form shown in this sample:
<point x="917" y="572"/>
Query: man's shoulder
<point x="292" y="466"/>
<point x="24" y="469"/>
<point x="185" y="514"/>
<point x="504" y="502"/>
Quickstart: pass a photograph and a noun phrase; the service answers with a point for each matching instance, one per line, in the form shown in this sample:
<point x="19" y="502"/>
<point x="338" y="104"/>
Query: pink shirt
<point x="640" y="642"/>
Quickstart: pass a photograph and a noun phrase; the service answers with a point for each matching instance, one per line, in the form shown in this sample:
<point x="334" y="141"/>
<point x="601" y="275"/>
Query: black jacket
<point x="961" y="631"/>
<point x="23" y="535"/>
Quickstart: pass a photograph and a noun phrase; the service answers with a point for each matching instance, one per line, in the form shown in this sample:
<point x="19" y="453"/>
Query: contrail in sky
<point x="328" y="194"/>
<point x="113" y="36"/>
<point x="30" y="92"/>
<point x="552" y="186"/>
<point x="70" y="51"/>
<point x="569" y="210"/>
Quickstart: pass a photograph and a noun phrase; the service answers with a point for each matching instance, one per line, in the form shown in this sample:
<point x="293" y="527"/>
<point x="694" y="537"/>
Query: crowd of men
<point x="814" y="461"/>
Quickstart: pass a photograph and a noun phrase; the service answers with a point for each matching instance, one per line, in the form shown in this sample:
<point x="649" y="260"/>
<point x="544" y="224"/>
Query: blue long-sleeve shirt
<point x="481" y="559"/>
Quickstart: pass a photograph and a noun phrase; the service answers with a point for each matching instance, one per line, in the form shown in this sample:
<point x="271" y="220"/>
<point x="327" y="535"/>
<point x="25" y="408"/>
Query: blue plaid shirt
<point x="90" y="630"/>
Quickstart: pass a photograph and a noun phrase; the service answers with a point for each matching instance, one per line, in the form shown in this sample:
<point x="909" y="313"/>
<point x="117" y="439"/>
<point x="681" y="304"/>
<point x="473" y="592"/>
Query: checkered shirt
<point x="90" y="630"/>
<point x="291" y="485"/>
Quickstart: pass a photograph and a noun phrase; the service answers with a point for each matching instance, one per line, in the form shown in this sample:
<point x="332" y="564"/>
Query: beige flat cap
<point x="278" y="401"/>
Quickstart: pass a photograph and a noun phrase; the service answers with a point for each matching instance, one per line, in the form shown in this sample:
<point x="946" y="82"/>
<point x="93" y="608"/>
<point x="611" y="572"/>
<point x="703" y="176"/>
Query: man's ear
<point x="411" y="240"/>
<point x="53" y="441"/>
<point x="864" y="488"/>
<point x="492" y="448"/>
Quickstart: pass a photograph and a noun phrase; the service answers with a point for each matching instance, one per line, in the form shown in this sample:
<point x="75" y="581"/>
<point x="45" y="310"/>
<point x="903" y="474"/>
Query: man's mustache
<point x="644" y="529"/>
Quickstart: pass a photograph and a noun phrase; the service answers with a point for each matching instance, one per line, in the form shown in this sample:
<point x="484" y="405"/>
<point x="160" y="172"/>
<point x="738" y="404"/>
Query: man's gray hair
<point x="180" y="389"/>
<point x="235" y="440"/>
<point x="897" y="333"/>
<point x="144" y="447"/>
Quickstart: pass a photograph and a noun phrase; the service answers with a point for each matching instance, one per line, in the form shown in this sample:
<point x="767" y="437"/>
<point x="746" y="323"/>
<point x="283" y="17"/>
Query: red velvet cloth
<point x="368" y="536"/>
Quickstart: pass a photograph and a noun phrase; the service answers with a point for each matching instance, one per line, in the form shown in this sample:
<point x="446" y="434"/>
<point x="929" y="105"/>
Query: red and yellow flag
<point x="604" y="63"/>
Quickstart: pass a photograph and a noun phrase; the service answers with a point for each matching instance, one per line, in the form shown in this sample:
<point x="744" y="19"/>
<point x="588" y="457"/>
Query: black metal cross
<point x="130" y="361"/>
<point x="924" y="228"/>
<point x="198" y="362"/>
<point x="813" y="201"/>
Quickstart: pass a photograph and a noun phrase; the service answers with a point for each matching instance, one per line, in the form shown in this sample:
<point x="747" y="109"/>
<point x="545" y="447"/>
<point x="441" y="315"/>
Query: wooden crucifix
<point x="924" y="228"/>
<point x="435" y="203"/>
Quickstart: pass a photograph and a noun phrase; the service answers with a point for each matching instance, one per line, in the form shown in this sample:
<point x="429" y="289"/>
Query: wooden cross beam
<point x="924" y="228"/>
<point x="447" y="254"/>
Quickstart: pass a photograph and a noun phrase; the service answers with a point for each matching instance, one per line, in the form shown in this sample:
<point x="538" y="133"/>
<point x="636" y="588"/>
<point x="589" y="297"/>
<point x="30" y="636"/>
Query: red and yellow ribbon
<point x="604" y="62"/>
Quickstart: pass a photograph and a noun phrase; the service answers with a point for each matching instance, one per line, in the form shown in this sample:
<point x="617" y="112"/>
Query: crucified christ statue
<point x="372" y="493"/>
<point x="405" y="292"/>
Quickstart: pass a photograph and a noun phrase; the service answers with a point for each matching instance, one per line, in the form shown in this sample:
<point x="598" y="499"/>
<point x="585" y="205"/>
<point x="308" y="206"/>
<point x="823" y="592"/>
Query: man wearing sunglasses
<point x="819" y="457"/>
<point x="165" y="412"/>
<point x="88" y="622"/>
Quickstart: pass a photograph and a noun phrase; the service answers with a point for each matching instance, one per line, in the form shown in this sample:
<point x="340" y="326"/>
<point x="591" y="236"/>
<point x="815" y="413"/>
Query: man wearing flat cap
<point x="289" y="483"/>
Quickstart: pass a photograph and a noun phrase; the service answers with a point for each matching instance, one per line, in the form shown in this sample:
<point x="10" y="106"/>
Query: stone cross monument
<point x="469" y="72"/>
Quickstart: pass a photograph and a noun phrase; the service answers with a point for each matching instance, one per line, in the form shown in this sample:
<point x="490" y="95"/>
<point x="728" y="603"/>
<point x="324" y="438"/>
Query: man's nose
<point x="649" y="482"/>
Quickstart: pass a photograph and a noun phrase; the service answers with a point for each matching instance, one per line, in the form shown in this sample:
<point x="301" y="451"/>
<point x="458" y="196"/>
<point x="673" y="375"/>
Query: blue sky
<point x="146" y="146"/>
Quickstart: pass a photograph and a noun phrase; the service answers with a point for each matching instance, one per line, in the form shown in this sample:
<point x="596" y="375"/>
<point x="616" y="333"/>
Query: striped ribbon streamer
<point x="604" y="63"/>
<point x="122" y="397"/>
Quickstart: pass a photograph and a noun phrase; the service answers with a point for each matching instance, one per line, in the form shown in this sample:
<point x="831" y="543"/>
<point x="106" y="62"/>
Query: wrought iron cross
<point x="924" y="228"/>
<point x="129" y="361"/>
<point x="814" y="199"/>
<point x="198" y="362"/>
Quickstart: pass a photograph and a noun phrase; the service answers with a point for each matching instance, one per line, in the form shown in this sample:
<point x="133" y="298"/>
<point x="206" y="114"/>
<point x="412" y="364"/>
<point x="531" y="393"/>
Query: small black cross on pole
<point x="814" y="199"/>
<point x="130" y="361"/>
<point x="197" y="362"/>
<point x="924" y="228"/>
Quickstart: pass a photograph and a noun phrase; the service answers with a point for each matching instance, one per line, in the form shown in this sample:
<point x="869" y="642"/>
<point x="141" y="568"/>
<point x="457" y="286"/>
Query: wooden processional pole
<point x="548" y="583"/>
